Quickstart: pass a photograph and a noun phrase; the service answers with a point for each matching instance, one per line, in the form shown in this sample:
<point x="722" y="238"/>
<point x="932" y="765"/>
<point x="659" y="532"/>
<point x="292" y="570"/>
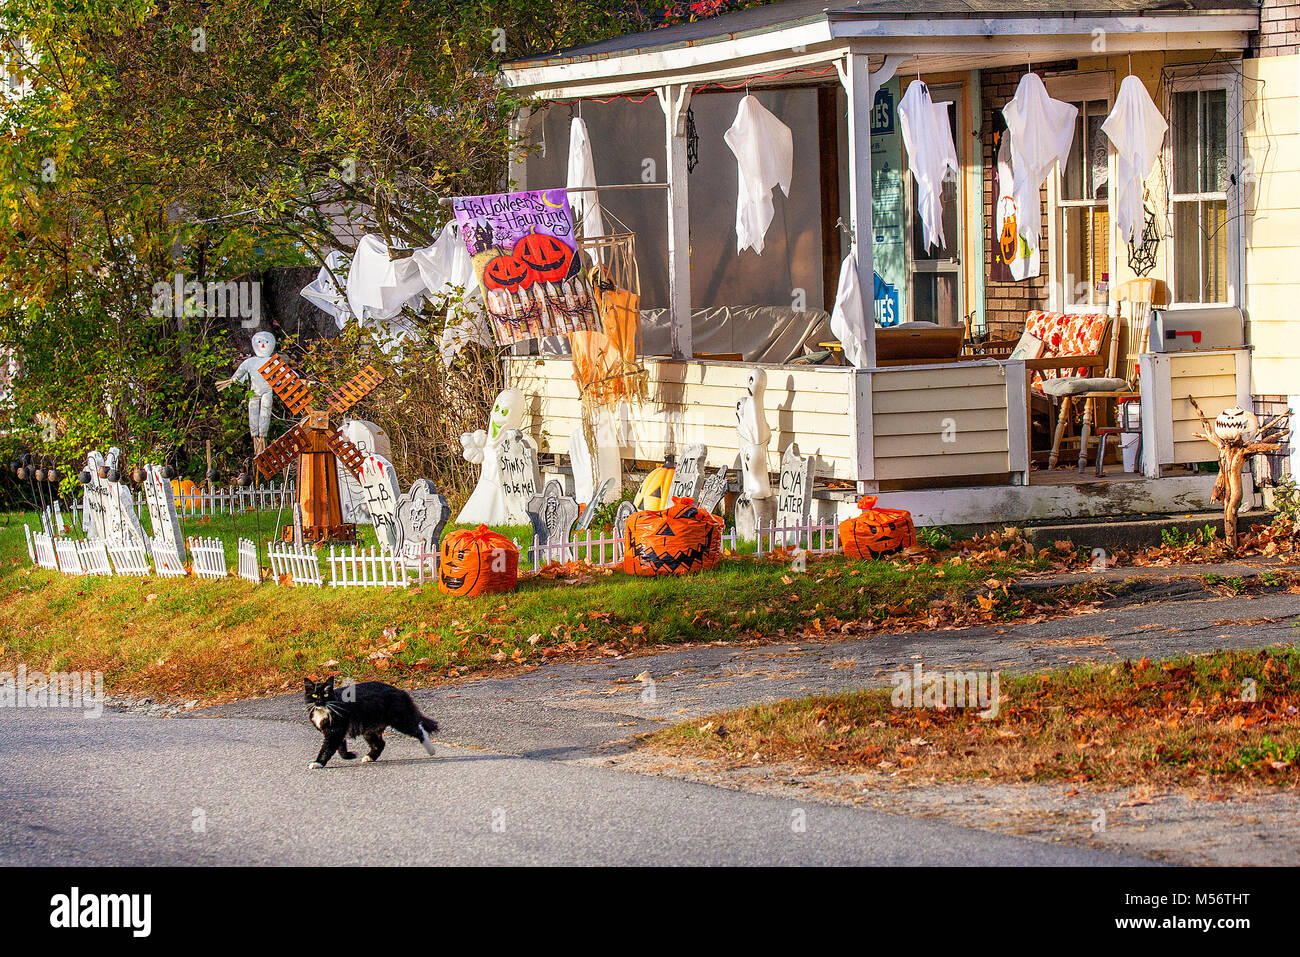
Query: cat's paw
<point x="367" y="760"/>
<point x="315" y="765"/>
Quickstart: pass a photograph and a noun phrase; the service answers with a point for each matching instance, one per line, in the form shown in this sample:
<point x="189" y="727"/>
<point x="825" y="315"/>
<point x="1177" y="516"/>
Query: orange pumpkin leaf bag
<point x="477" y="562"/>
<point x="675" y="541"/>
<point x="877" y="531"/>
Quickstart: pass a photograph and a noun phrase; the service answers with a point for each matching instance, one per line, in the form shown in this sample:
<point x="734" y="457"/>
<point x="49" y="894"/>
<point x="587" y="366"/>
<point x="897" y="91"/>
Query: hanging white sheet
<point x="849" y="317"/>
<point x="582" y="175"/>
<point x="324" y="293"/>
<point x="1137" y="129"/>
<point x="764" y="151"/>
<point x="927" y="134"/>
<point x="1042" y="130"/>
<point x="377" y="286"/>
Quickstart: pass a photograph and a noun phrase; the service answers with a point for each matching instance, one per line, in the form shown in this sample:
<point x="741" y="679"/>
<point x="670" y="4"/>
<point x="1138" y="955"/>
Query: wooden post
<point x="858" y="85"/>
<point x="674" y="100"/>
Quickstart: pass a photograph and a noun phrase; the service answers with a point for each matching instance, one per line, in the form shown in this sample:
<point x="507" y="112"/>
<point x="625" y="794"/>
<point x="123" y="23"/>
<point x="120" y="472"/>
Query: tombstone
<point x="552" y="515"/>
<point x="369" y="439"/>
<point x="58" y="518"/>
<point x="713" y="490"/>
<point x="584" y="522"/>
<point x="625" y="511"/>
<point x="108" y="508"/>
<point x="297" y="525"/>
<point x="688" y="476"/>
<point x="752" y="514"/>
<point x="421" y="516"/>
<point x="161" y="500"/>
<point x="379" y="482"/>
<point x="518" y="474"/>
<point x="794" y="494"/>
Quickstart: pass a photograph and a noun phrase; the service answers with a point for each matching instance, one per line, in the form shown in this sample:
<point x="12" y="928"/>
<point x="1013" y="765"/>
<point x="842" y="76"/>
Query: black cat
<point x="363" y="710"/>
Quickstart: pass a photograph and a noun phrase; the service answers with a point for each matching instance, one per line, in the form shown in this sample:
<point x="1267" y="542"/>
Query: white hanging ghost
<point x="378" y="287"/>
<point x="1137" y="129"/>
<point x="591" y="474"/>
<point x="324" y="293"/>
<point x="262" y="399"/>
<point x="446" y="269"/>
<point x="754" y="434"/>
<point x="764" y="151"/>
<point x="1042" y="130"/>
<point x="582" y="176"/>
<point x="849" y="317"/>
<point x="487" y="504"/>
<point x="927" y="134"/>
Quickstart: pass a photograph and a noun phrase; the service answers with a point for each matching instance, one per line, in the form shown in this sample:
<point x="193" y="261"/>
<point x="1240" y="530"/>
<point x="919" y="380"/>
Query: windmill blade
<point x="345" y="452"/>
<point x="282" y="451"/>
<point x="354" y="390"/>
<point x="292" y="391"/>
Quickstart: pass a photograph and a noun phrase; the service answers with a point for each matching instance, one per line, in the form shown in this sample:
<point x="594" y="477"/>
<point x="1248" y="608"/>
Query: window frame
<point x="1196" y="78"/>
<point x="1079" y="88"/>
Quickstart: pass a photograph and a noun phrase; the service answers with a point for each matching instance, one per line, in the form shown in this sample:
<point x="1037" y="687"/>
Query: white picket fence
<point x="811" y="538"/>
<point x="129" y="559"/>
<point x="221" y="501"/>
<point x="31" y="549"/>
<point x="167" y="561"/>
<point x="94" y="558"/>
<point x="299" y="562"/>
<point x="366" y="568"/>
<point x="249" y="567"/>
<point x="208" y="556"/>
<point x="45" y="556"/>
<point x="590" y="548"/>
<point x="65" y="551"/>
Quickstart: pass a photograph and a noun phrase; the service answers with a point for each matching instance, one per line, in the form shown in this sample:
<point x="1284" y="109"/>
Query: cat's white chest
<point x="320" y="717"/>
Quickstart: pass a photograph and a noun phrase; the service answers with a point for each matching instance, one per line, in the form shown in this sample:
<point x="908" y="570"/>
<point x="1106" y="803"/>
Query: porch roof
<point x="938" y="34"/>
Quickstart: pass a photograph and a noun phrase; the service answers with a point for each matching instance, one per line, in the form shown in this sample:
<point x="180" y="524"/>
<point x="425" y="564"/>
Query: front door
<point x="934" y="275"/>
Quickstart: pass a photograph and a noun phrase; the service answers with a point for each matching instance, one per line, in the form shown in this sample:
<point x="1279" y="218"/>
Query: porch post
<point x="521" y="124"/>
<point x="674" y="100"/>
<point x="861" y="97"/>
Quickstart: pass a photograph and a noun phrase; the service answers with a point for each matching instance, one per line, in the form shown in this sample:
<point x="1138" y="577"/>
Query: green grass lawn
<point x="221" y="639"/>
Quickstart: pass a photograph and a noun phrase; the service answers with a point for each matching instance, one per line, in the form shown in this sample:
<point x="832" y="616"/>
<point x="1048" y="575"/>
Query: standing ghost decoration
<point x="754" y="434"/>
<point x="259" y="404"/>
<point x="487" y="504"/>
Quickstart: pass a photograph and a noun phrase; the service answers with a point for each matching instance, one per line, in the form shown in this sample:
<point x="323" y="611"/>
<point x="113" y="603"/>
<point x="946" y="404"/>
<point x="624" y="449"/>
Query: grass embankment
<point x="1227" y="717"/>
<point x="215" y="640"/>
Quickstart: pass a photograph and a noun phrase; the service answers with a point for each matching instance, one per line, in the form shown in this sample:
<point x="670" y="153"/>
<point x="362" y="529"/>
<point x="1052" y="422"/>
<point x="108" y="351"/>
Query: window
<point x="1204" y="232"/>
<point x="1083" y="212"/>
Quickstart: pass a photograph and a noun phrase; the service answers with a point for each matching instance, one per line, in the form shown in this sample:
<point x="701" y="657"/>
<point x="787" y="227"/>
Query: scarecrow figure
<point x="259" y="404"/>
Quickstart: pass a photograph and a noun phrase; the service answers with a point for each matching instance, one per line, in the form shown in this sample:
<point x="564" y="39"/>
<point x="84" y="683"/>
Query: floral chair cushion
<point x="1066" y="334"/>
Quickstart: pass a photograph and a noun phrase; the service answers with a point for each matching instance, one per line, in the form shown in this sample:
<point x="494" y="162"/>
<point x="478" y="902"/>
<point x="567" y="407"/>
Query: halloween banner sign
<point x="526" y="257"/>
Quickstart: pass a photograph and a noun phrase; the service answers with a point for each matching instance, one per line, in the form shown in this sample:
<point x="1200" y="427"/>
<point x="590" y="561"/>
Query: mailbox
<point x="1197" y="329"/>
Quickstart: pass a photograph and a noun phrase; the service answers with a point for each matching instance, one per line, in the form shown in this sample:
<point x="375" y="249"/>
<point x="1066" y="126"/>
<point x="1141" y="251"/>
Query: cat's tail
<point x="427" y="726"/>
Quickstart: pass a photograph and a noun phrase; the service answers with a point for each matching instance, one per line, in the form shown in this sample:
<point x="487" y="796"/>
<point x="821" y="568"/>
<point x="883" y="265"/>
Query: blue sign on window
<point x="886" y="296"/>
<point x="882" y="113"/>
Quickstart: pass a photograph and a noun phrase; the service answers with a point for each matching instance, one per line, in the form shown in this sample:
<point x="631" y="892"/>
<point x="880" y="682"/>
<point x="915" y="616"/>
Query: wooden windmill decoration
<point x="317" y="442"/>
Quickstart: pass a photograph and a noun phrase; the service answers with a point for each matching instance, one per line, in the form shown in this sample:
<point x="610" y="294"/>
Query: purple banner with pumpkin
<point x="528" y="264"/>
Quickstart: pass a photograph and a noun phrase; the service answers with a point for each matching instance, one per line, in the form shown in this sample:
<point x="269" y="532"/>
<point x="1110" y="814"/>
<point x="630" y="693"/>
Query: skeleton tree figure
<point x="260" y="402"/>
<point x="1232" y="434"/>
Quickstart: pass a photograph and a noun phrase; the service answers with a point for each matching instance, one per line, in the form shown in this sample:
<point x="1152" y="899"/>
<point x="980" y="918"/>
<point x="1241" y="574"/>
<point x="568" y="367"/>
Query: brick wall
<point x="1279" y="29"/>
<point x="1006" y="303"/>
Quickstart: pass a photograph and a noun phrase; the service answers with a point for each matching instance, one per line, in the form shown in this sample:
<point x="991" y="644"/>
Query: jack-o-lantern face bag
<point x="675" y="541"/>
<point x="477" y="562"/>
<point x="877" y="531"/>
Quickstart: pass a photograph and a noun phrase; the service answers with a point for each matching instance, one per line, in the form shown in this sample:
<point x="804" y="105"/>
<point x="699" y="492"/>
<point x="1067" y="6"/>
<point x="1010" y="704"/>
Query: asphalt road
<point x="125" y="789"/>
<point x="519" y="777"/>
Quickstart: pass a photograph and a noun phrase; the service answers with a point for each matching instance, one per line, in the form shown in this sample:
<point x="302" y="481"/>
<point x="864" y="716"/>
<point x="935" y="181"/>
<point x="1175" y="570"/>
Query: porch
<point x="952" y="437"/>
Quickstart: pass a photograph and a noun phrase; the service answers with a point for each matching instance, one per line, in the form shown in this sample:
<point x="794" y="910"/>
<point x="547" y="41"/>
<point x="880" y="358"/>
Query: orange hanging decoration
<point x="675" y="541"/>
<point x="877" y="531"/>
<point x="477" y="562"/>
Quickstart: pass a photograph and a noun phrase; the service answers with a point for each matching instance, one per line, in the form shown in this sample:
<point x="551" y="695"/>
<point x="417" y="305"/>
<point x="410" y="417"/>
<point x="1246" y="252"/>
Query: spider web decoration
<point x="1142" y="256"/>
<point x="692" y="142"/>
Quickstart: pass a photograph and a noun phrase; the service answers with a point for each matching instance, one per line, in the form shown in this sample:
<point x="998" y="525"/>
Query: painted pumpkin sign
<point x="877" y="531"/>
<point x="477" y="562"/>
<point x="525" y="254"/>
<point x="506" y="272"/>
<point x="546" y="258"/>
<point x="675" y="541"/>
